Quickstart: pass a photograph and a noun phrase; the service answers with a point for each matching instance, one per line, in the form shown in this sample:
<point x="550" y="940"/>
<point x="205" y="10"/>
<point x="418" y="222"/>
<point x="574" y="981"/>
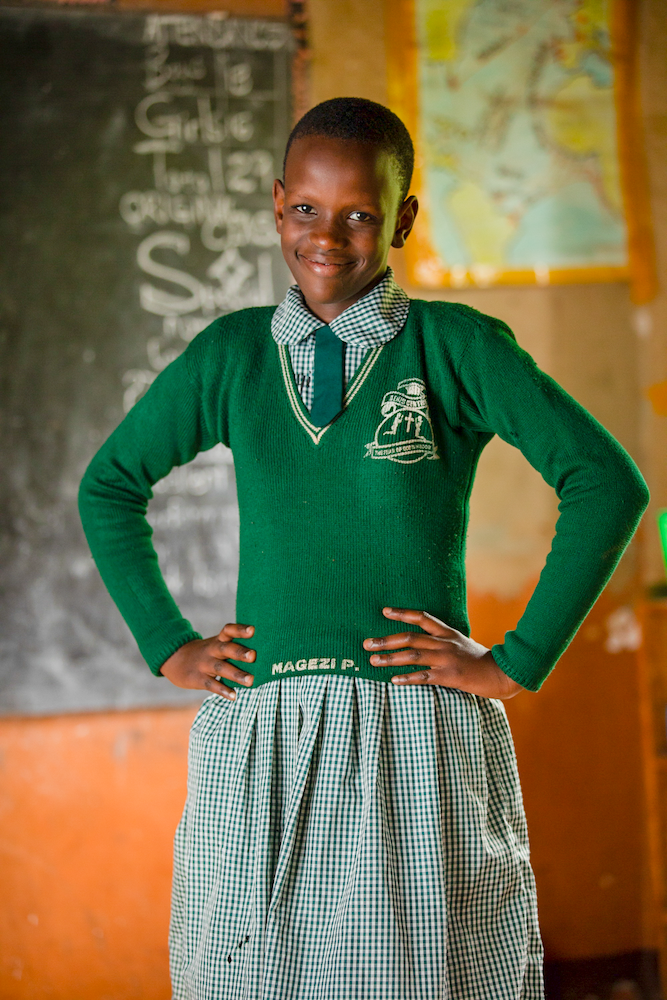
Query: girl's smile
<point x="327" y="268"/>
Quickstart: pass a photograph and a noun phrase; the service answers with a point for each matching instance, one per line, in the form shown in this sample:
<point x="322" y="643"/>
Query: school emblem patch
<point x="405" y="434"/>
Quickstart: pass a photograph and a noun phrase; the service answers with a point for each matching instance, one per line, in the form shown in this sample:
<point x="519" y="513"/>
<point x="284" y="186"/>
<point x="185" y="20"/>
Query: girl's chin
<point x="328" y="291"/>
<point x="327" y="294"/>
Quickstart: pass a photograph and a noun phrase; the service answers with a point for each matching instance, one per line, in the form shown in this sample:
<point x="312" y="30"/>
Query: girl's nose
<point x="328" y="235"/>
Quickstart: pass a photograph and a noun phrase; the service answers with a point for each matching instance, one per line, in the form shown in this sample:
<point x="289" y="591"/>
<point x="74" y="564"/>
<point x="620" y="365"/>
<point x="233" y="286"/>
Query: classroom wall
<point x="89" y="806"/>
<point x="651" y="321"/>
<point x="89" y="803"/>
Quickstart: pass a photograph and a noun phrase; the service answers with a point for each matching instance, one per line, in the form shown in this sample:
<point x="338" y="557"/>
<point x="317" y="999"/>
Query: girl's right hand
<point x="199" y="663"/>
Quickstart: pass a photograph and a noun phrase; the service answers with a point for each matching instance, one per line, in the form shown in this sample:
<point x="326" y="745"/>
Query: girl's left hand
<point x="451" y="659"/>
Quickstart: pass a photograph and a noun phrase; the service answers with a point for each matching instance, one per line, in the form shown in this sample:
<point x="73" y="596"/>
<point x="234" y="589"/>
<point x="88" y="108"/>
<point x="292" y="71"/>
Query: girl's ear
<point x="405" y="220"/>
<point x="278" y="203"/>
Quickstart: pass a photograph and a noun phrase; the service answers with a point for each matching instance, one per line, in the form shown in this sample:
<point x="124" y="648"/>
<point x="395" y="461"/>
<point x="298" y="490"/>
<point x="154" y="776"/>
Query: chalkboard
<point x="138" y="154"/>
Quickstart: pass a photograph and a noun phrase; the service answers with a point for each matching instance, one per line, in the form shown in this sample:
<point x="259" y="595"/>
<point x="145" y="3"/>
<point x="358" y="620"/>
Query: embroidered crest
<point x="405" y="434"/>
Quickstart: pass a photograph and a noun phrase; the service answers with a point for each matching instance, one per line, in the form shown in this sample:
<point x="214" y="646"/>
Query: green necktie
<point x="328" y="375"/>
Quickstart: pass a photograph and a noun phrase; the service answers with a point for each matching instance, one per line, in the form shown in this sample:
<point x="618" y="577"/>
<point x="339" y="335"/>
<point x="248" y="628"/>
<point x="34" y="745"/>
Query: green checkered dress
<point x="344" y="839"/>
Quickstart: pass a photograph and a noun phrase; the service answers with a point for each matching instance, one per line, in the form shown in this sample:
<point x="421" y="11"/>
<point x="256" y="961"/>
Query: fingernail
<point x="370" y="643"/>
<point x="247" y="679"/>
<point x="231" y="695"/>
<point x="377" y="659"/>
<point x="248" y="628"/>
<point x="399" y="680"/>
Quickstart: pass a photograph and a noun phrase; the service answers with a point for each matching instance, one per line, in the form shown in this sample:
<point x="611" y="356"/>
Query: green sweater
<point x="338" y="522"/>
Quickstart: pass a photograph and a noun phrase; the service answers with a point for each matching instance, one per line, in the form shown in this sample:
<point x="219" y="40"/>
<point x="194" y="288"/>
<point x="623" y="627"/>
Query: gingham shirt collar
<point x="370" y="322"/>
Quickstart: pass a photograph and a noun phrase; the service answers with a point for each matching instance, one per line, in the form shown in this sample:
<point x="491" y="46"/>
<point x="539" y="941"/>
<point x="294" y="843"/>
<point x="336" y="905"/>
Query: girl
<point x="354" y="827"/>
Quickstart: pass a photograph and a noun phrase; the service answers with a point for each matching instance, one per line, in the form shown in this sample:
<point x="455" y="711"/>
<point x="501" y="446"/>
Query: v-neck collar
<point x="300" y="412"/>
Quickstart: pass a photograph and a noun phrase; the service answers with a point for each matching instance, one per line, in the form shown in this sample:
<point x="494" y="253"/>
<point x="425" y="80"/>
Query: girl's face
<point x="338" y="213"/>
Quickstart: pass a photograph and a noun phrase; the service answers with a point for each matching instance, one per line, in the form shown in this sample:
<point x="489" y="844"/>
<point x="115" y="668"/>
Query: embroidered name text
<point x="314" y="663"/>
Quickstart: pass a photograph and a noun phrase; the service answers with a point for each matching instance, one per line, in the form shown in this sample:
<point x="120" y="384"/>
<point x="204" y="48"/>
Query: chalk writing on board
<point x="208" y="181"/>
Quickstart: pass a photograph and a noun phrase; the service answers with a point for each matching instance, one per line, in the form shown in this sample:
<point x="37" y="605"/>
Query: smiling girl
<point x="354" y="828"/>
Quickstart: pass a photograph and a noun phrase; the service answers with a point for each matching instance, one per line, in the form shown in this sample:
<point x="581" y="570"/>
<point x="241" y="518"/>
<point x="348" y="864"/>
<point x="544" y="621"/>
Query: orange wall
<point x="88" y="808"/>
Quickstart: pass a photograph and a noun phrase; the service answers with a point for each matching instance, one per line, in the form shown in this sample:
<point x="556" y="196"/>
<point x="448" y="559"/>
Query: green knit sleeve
<point x="601" y="491"/>
<point x="165" y="428"/>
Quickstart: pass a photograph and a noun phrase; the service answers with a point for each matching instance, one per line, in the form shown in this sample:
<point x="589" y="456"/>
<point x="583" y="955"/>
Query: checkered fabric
<point x="347" y="840"/>
<point x="370" y="322"/>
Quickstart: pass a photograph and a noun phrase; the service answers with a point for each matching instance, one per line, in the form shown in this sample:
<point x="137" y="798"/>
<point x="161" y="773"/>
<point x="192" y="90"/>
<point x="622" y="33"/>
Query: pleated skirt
<point x="345" y="839"/>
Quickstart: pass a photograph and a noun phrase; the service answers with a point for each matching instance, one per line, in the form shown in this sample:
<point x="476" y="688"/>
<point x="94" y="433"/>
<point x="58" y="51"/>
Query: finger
<point x="426" y="621"/>
<point x="233" y="630"/>
<point x="233" y="651"/>
<point x="215" y="686"/>
<point x="401" y="639"/>
<point x="403" y="658"/>
<point x="423" y="677"/>
<point x="222" y="668"/>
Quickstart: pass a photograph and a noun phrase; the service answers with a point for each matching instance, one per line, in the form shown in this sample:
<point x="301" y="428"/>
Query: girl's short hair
<point x="359" y="120"/>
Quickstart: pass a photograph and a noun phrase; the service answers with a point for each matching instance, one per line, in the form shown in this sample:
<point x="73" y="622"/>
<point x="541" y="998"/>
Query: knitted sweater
<point x="338" y="522"/>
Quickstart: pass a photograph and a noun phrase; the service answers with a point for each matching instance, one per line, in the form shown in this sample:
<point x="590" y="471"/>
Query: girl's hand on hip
<point x="202" y="663"/>
<point x="445" y="657"/>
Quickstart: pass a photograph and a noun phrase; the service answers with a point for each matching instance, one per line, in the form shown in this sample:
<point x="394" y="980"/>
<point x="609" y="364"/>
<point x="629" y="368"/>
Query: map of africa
<point x="520" y="168"/>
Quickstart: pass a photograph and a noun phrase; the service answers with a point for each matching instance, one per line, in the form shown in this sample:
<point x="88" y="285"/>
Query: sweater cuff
<point x="158" y="650"/>
<point x="527" y="679"/>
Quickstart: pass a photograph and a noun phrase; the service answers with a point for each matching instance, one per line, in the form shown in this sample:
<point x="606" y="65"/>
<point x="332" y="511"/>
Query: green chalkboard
<point x="137" y="159"/>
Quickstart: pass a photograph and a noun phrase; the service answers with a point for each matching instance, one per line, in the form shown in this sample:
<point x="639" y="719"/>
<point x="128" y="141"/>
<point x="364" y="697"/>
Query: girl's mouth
<point x="323" y="267"/>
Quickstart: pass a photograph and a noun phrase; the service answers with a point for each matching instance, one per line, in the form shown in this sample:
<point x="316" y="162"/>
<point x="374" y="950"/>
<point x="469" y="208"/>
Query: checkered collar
<point x="369" y="322"/>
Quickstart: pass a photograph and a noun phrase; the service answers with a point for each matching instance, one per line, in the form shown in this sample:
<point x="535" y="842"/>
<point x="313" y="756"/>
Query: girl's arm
<point x="602" y="497"/>
<point x="165" y="428"/>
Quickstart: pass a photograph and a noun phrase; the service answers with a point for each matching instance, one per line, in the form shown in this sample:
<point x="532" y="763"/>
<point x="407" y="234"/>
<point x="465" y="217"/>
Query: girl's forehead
<point x="322" y="161"/>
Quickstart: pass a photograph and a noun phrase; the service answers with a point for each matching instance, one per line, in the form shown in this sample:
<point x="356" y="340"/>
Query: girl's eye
<point x="360" y="216"/>
<point x="305" y="209"/>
